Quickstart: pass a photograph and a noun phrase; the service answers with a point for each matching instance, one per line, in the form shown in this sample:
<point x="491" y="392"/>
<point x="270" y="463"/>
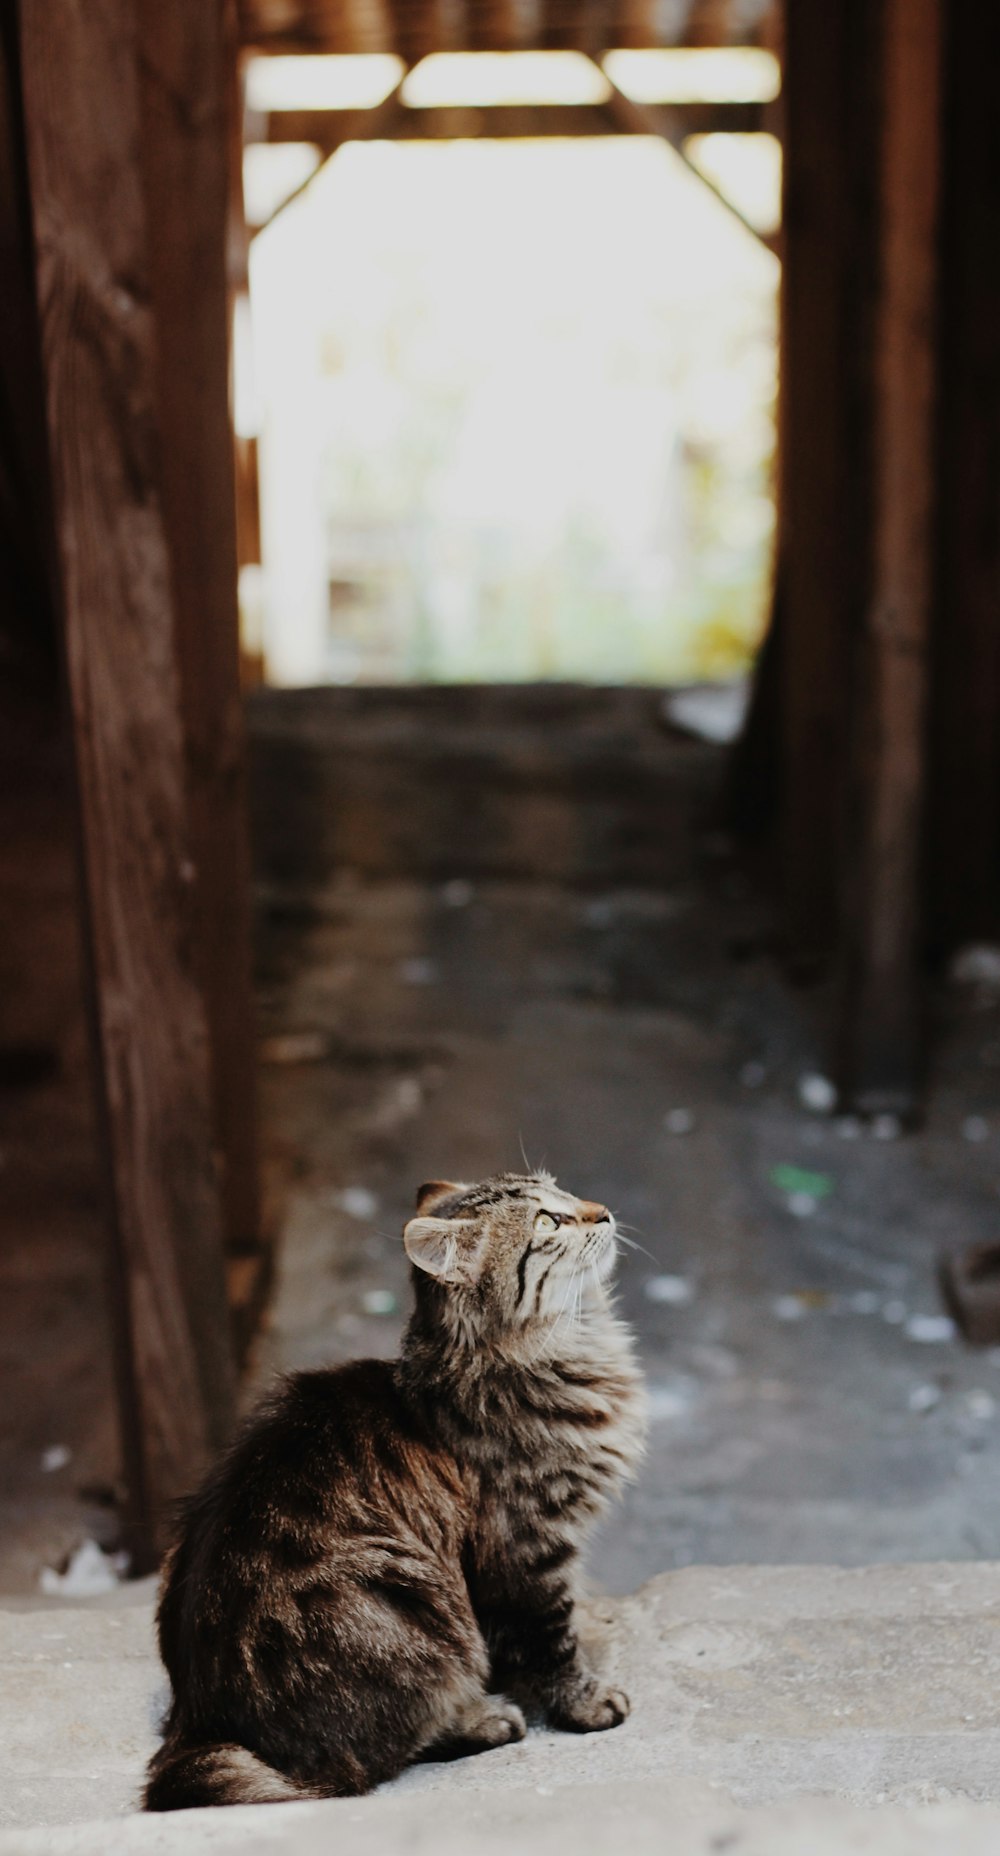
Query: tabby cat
<point x="382" y="1568"/>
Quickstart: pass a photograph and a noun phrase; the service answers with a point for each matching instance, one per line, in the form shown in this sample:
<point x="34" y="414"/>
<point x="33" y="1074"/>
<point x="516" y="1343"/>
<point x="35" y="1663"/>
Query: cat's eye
<point x="544" y="1221"/>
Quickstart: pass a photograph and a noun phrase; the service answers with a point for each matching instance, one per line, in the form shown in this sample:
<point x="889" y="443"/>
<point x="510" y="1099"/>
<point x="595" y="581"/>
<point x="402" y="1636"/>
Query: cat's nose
<point x="594" y="1214"/>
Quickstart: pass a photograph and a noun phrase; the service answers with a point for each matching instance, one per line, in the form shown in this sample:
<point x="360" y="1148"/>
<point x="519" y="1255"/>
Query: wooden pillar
<point x="826" y="240"/>
<point x="187" y="66"/>
<point x="884" y="919"/>
<point x="963" y="861"/>
<point x="114" y="515"/>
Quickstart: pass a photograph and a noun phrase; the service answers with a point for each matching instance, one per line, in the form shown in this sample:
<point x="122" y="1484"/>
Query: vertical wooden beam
<point x="83" y="117"/>
<point x="963" y="874"/>
<point x="821" y="447"/>
<point x="187" y="95"/>
<point x="884" y="918"/>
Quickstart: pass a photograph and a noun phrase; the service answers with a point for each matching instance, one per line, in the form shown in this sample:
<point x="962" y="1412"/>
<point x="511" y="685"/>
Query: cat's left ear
<point x="447" y="1248"/>
<point x="434" y="1192"/>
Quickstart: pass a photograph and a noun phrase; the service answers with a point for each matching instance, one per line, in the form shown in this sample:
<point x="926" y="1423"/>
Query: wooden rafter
<point x="413" y="28"/>
<point x="671" y="125"/>
<point x="328" y="130"/>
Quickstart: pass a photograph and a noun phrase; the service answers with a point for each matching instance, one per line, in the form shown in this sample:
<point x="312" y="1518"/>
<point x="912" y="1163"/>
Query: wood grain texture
<point x="187" y="55"/>
<point x="882" y="1029"/>
<point x="82" y="108"/>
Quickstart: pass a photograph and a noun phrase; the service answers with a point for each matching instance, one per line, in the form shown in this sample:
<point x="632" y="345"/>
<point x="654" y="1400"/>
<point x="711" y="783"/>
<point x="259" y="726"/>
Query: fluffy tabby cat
<point x="382" y="1568"/>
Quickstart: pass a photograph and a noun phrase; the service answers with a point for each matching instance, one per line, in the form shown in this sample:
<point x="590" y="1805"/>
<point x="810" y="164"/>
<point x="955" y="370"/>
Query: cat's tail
<point x="181" y="1777"/>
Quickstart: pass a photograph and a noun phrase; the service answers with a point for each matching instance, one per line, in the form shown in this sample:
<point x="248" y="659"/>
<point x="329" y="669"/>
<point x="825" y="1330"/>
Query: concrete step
<point x="753" y="1690"/>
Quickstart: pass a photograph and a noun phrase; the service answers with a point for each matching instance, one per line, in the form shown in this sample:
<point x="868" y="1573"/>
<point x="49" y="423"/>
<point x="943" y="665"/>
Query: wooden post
<point x="963" y="872"/>
<point x="881" y="1031"/>
<point x="828" y="111"/>
<point x="187" y="64"/>
<point x="83" y="103"/>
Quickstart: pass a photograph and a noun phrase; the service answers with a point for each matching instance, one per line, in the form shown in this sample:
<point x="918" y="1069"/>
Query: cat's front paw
<point x="501" y="1724"/>
<point x="591" y="1709"/>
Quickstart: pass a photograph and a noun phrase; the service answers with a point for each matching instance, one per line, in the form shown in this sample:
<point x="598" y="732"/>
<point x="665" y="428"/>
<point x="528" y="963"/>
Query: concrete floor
<point x="753" y="1690"/>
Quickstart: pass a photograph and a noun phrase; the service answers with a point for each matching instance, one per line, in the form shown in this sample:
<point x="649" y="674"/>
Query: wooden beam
<point x="187" y="57"/>
<point x="963" y="852"/>
<point x="829" y="106"/>
<point x="418" y="26"/>
<point x="881" y="1031"/>
<point x="27" y="617"/>
<point x="414" y="29"/>
<point x="328" y="130"/>
<point x="92" y="239"/>
<point x="669" y="124"/>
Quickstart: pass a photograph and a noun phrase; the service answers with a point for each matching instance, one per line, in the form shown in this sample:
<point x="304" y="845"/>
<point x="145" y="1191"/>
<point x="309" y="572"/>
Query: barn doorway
<point x="514" y="408"/>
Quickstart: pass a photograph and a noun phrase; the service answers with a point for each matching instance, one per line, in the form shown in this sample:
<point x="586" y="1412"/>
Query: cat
<point x="383" y="1567"/>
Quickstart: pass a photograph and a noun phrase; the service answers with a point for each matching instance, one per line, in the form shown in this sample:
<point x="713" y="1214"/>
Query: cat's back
<point x="332" y="1463"/>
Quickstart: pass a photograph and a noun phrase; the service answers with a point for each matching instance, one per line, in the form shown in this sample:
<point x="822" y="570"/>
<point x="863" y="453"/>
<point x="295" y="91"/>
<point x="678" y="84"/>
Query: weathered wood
<point x="187" y="53"/>
<point x="963" y="860"/>
<point x="827" y="241"/>
<point x="881" y="1030"/>
<point x="92" y="239"/>
<point x="27" y="618"/>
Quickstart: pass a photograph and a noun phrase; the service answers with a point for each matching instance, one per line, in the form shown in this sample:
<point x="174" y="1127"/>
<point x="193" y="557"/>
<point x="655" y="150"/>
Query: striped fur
<point x="383" y="1566"/>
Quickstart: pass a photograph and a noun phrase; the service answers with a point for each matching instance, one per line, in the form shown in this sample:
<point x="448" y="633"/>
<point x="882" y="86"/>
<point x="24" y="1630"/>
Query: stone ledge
<point x="756" y="1685"/>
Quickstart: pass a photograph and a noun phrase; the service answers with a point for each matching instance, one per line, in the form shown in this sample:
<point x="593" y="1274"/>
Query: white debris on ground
<point x="887" y="1127"/>
<point x="668" y="1402"/>
<point x="817" y="1093"/>
<point x="678" y="1121"/>
<point x="975" y="1128"/>
<point x="675" y="1291"/>
<point x="458" y="893"/>
<point x="89" y="1573"/>
<point x="801" y="1204"/>
<point x="976" y="965"/>
<point x="924" y="1398"/>
<point x="379" y="1302"/>
<point x="981" y="1406"/>
<point x="930" y="1330"/>
<point x="356" y="1201"/>
<point x="55" y="1457"/>
<point x="715" y="712"/>
<point x="789" y="1308"/>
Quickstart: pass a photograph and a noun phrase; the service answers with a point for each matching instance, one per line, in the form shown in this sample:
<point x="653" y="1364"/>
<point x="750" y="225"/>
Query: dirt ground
<point x="639" y="1038"/>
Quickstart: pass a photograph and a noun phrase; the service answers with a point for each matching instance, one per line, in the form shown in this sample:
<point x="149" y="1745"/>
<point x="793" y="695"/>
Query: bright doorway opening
<point x="514" y="404"/>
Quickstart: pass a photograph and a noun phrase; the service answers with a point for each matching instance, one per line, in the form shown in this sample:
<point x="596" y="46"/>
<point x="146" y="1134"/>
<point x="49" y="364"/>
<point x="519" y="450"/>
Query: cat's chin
<point x="605" y="1264"/>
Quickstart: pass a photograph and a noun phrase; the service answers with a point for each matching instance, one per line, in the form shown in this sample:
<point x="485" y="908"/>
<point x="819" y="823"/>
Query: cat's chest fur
<point x="545" y="1445"/>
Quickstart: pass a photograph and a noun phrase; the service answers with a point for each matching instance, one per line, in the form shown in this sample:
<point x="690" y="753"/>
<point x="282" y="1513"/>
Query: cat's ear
<point x="434" y="1191"/>
<point x="445" y="1247"/>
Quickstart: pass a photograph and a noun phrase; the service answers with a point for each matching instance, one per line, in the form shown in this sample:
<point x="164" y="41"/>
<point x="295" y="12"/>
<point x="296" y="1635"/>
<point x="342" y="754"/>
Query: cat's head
<point x="514" y="1252"/>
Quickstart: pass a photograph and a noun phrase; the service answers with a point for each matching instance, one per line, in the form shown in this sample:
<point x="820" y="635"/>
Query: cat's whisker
<point x="631" y="1244"/>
